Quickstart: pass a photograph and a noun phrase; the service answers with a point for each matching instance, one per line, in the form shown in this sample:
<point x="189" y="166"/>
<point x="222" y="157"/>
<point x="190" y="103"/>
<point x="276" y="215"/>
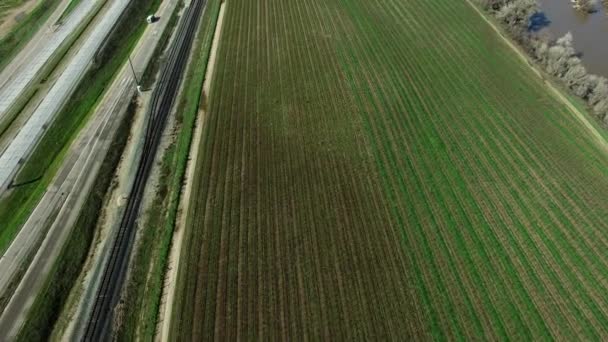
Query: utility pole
<point x="133" y="70"/>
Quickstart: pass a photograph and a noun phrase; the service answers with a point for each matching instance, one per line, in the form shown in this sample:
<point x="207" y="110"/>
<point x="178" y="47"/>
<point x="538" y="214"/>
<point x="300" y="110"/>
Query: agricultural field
<point x="389" y="170"/>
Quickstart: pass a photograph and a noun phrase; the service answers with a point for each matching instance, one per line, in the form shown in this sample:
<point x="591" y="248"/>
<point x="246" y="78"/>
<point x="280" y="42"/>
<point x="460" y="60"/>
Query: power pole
<point x="133" y="70"/>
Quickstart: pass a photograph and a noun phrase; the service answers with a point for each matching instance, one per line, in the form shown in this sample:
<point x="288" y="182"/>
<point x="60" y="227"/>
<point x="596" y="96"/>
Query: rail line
<point x="163" y="97"/>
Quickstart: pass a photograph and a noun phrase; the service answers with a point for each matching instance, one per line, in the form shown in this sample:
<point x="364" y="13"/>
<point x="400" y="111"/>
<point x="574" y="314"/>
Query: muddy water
<point x="590" y="31"/>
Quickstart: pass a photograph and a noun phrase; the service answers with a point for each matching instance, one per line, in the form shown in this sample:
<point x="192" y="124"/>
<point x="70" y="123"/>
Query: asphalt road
<point x="57" y="193"/>
<point x="15" y="78"/>
<point x="65" y="85"/>
<point x="63" y="199"/>
<point x="34" y="278"/>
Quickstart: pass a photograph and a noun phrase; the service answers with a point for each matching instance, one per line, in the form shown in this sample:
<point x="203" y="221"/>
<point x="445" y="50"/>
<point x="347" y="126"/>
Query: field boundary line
<point x="214" y="48"/>
<point x="171" y="278"/>
<point x="558" y="94"/>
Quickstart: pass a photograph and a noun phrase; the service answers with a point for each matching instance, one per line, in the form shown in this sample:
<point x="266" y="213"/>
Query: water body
<point x="590" y="31"/>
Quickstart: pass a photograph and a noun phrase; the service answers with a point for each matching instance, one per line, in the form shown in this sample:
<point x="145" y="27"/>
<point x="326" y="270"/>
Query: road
<point x="63" y="199"/>
<point x="23" y="69"/>
<point x="65" y="85"/>
<point x="99" y="326"/>
<point x="39" y="37"/>
<point x="87" y="163"/>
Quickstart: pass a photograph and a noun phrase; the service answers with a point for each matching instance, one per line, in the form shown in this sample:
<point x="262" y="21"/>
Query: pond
<point x="590" y="31"/>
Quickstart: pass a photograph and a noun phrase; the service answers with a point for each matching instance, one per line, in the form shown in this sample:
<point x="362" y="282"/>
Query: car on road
<point x="152" y="19"/>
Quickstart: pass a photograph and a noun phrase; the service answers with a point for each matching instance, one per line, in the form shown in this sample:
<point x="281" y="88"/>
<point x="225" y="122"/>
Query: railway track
<point x="98" y="326"/>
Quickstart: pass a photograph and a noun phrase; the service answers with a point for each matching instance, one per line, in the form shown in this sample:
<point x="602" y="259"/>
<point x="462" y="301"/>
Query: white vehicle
<point x="151" y="19"/>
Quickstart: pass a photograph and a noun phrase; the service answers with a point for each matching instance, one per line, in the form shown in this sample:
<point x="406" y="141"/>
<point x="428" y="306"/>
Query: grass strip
<point x="50" y="300"/>
<point x="23" y="31"/>
<point x="143" y="293"/>
<point x="48" y="155"/>
<point x="68" y="10"/>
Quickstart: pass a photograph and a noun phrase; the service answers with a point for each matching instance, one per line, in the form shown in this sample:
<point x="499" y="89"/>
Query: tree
<point x="558" y="57"/>
<point x="561" y="56"/>
<point x="539" y="48"/>
<point x="587" y="6"/>
<point x="598" y="98"/>
<point x="579" y="81"/>
<point x="565" y="40"/>
<point x="494" y="5"/>
<point x="601" y="109"/>
<point x="599" y="92"/>
<point x="516" y="15"/>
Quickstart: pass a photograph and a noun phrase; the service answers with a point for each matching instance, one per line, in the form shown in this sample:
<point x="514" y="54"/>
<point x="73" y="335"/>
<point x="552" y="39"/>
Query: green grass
<point x="12" y="42"/>
<point x="9" y="5"/>
<point x="48" y="155"/>
<point x="68" y="10"/>
<point x="50" y="300"/>
<point x="389" y="170"/>
<point x="144" y="289"/>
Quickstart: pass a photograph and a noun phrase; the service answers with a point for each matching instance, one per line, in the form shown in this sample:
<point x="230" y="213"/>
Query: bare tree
<point x="599" y="92"/>
<point x="539" y="47"/>
<point x="587" y="6"/>
<point x="601" y="109"/>
<point x="494" y="5"/>
<point x="579" y="81"/>
<point x="561" y="56"/>
<point x="558" y="57"/>
<point x="516" y="14"/>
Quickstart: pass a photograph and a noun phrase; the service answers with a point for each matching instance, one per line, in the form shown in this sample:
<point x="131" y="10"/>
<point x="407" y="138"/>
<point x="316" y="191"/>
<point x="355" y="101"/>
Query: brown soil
<point x="14" y="15"/>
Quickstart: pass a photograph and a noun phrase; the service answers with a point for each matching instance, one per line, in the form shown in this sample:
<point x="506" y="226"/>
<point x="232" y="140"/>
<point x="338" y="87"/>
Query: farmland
<point x="389" y="170"/>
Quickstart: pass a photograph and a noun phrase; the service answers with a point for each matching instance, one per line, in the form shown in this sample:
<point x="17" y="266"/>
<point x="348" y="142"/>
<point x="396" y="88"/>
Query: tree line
<point x="557" y="56"/>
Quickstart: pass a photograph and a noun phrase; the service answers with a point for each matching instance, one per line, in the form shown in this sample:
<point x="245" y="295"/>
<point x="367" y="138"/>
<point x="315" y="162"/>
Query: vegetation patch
<point x="557" y="57"/>
<point x="142" y="295"/>
<point x="40" y="168"/>
<point x="388" y="170"/>
<point x="50" y="300"/>
<point x="68" y="10"/>
<point x="24" y="30"/>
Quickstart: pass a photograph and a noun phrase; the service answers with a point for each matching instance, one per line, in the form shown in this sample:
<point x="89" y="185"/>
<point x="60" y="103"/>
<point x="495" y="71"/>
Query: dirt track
<point x="174" y="256"/>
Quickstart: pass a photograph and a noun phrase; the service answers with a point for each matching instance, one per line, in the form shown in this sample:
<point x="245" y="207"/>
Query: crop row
<point x="387" y="169"/>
